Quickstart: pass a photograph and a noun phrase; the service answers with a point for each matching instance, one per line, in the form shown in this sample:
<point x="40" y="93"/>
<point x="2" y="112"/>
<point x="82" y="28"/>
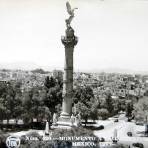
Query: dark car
<point x="129" y="134"/>
<point x="139" y="123"/>
<point x="129" y="120"/>
<point x="138" y="145"/>
<point x="116" y="120"/>
<point x="101" y="127"/>
<point x="102" y="139"/>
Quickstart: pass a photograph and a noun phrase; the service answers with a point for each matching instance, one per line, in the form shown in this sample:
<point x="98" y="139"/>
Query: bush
<point x="34" y="134"/>
<point x="94" y="127"/>
<point x="37" y="144"/>
<point x="138" y="145"/>
<point x="23" y="139"/>
<point x="3" y="140"/>
<point x="72" y="132"/>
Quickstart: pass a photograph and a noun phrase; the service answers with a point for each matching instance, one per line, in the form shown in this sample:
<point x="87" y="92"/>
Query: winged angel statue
<point x="71" y="13"/>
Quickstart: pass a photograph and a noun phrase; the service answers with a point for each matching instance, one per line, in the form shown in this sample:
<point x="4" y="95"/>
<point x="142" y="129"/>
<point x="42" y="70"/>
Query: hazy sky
<point x="112" y="33"/>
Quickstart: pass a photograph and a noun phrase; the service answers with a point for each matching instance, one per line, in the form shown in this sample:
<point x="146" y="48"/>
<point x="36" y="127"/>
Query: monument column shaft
<point x="69" y="41"/>
<point x="68" y="81"/>
<point x="68" y="70"/>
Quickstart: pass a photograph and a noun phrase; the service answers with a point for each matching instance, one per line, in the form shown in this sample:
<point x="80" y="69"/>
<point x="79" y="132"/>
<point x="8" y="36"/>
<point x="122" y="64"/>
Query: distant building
<point x="3" y="81"/>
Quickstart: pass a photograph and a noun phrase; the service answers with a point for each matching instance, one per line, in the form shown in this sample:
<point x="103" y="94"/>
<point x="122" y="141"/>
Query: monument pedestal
<point x="63" y="122"/>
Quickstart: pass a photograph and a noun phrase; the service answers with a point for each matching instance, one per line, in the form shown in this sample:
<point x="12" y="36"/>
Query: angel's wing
<point x="73" y="10"/>
<point x="68" y="8"/>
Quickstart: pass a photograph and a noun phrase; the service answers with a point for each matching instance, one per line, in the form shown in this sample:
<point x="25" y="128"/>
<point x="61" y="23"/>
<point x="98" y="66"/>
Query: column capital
<point x="69" y="40"/>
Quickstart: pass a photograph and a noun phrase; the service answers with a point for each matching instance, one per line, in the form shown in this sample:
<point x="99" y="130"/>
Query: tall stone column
<point x="69" y="41"/>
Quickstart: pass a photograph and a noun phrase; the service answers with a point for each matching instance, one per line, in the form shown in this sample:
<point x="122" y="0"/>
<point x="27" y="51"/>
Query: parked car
<point x="129" y="119"/>
<point x="139" y="123"/>
<point x="129" y="134"/>
<point x="116" y="116"/>
<point x="101" y="127"/>
<point x="116" y="120"/>
<point x="102" y="139"/>
<point x="138" y="145"/>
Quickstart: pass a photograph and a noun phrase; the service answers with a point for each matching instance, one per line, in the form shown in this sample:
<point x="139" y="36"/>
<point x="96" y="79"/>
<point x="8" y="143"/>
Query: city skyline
<point x="112" y="34"/>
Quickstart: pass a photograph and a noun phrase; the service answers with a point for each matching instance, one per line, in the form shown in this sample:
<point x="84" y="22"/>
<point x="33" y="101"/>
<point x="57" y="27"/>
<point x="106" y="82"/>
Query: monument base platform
<point x="64" y="122"/>
<point x="62" y="125"/>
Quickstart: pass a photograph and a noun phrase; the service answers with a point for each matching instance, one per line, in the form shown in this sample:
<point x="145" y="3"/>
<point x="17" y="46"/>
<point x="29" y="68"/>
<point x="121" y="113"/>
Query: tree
<point x="129" y="109"/>
<point x="52" y="94"/>
<point x="3" y="109"/>
<point x="34" y="106"/>
<point x="39" y="102"/>
<point x="116" y="105"/>
<point x="53" y="98"/>
<point x="27" y="114"/>
<point x="3" y="94"/>
<point x="49" y="82"/>
<point x="3" y="90"/>
<point x="103" y="113"/>
<point x="85" y="103"/>
<point x="109" y="104"/>
<point x="83" y="94"/>
<point x="141" y="109"/>
<point x="18" y="109"/>
<point x="42" y="102"/>
<point x="12" y="101"/>
<point x="94" y="105"/>
<point x="84" y="110"/>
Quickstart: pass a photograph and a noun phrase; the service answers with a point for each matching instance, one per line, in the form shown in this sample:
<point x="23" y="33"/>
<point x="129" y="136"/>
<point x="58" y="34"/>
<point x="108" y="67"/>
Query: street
<point x="122" y="128"/>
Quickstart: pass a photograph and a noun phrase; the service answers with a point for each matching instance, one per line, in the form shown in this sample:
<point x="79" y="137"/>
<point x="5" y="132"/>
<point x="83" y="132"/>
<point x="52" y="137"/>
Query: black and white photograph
<point x="73" y="74"/>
